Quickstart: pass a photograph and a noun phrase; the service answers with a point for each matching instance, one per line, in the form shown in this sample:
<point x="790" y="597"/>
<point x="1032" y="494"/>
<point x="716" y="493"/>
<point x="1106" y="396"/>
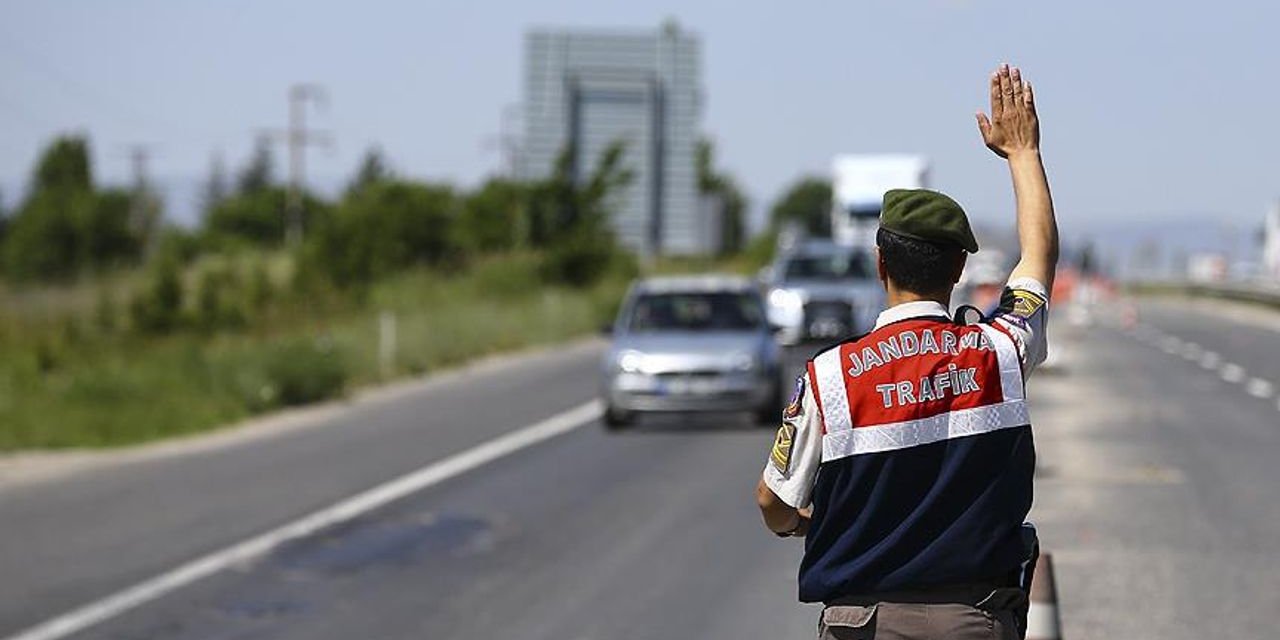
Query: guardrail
<point x="1267" y="293"/>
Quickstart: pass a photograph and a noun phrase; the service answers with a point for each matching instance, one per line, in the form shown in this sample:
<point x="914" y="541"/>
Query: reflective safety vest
<point x="927" y="460"/>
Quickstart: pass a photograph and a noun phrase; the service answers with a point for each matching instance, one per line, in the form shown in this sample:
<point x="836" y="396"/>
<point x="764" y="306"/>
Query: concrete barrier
<point x="1042" y="616"/>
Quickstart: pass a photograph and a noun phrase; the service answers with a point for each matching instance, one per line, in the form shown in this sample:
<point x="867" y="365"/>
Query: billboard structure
<point x="586" y="89"/>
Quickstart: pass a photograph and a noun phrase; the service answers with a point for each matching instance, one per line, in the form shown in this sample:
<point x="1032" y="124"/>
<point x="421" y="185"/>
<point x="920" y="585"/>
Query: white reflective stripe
<point x="912" y="433"/>
<point x="830" y="391"/>
<point x="1010" y="365"/>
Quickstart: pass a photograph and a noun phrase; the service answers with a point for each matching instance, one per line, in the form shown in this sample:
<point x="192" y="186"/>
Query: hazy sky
<point x="1150" y="110"/>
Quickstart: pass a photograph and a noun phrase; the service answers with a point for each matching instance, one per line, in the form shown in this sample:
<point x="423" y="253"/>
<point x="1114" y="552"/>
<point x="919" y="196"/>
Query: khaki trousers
<point x="954" y="613"/>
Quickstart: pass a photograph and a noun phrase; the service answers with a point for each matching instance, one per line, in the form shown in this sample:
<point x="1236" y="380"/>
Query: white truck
<point x="857" y="187"/>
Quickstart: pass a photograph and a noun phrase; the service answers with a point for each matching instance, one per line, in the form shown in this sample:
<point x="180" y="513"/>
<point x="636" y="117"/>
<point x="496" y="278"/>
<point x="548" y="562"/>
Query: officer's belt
<point x="971" y="594"/>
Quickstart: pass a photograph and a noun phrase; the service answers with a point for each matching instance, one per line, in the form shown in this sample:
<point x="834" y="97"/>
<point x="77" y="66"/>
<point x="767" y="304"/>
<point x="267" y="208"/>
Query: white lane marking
<point x="342" y="511"/>
<point x="1191" y="351"/>
<point x="1259" y="388"/>
<point x="1171" y="345"/>
<point x="1232" y="372"/>
<point x="1210" y="360"/>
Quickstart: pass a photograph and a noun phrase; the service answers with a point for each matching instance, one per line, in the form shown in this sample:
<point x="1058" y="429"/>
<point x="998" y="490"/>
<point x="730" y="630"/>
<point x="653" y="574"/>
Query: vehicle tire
<point x="615" y="419"/>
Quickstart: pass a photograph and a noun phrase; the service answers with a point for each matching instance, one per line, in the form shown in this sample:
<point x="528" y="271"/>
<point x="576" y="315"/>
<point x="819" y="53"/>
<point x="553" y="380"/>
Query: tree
<point x="64" y="226"/>
<point x="158" y="307"/>
<point x="732" y="203"/>
<point x="563" y="203"/>
<point x="808" y="204"/>
<point x="64" y="166"/>
<point x="574" y="217"/>
<point x="493" y="216"/>
<point x="259" y="174"/>
<point x="4" y="219"/>
<point x="387" y="226"/>
<point x="44" y="240"/>
<point x="215" y="189"/>
<point x="258" y="217"/>
<point x="373" y="170"/>
<point x="113" y="234"/>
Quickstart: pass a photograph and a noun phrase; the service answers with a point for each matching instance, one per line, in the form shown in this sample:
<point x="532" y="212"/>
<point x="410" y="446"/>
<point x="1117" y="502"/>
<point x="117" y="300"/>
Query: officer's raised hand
<point x="1013" y="126"/>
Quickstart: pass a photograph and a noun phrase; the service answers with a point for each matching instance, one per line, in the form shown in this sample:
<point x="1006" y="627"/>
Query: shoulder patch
<point x="780" y="455"/>
<point x="796" y="405"/>
<point x="1021" y="303"/>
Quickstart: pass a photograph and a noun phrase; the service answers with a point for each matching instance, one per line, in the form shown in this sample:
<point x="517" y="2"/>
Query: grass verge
<point x="69" y="378"/>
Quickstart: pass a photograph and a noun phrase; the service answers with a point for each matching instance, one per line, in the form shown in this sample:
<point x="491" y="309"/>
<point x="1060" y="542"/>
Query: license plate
<point x="826" y="328"/>
<point x="693" y="386"/>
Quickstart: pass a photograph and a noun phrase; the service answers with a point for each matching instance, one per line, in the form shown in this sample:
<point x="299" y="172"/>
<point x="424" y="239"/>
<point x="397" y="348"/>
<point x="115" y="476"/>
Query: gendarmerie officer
<point x="906" y="456"/>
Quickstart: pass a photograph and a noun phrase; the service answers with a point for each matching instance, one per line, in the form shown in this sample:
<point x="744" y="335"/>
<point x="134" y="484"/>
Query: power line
<point x="120" y="109"/>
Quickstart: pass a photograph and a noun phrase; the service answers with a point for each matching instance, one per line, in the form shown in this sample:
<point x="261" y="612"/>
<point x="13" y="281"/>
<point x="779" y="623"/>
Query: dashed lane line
<point x="1171" y="345"/>
<point x="1191" y="351"/>
<point x="1209" y="360"/>
<point x="1232" y="372"/>
<point x="1259" y="388"/>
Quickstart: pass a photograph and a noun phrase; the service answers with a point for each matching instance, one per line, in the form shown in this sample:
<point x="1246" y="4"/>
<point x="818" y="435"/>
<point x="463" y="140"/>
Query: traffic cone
<point x="1042" y="616"/>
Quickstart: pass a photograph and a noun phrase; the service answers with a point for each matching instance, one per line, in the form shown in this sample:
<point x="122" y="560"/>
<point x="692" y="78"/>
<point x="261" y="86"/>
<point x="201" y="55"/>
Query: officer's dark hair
<point x="918" y="266"/>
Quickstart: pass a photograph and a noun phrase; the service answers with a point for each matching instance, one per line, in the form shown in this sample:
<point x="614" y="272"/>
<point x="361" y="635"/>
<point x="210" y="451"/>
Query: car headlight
<point x="630" y="361"/>
<point x="742" y="362"/>
<point x="785" y="299"/>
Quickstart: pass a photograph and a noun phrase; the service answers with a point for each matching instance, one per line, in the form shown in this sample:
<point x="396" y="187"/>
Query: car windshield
<point x="700" y="311"/>
<point x="835" y="266"/>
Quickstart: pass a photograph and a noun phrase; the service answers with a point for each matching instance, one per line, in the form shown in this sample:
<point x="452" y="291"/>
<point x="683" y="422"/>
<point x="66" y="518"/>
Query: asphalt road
<point x="1156" y="493"/>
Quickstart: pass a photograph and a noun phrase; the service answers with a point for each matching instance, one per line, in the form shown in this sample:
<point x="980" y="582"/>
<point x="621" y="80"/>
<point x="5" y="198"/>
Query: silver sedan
<point x="694" y="343"/>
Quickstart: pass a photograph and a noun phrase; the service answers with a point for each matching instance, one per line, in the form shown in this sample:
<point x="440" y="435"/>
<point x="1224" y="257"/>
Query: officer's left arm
<point x="780" y="517"/>
<point x="784" y="490"/>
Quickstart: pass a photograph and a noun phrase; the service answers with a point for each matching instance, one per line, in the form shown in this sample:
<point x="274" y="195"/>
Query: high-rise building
<point x="586" y="89"/>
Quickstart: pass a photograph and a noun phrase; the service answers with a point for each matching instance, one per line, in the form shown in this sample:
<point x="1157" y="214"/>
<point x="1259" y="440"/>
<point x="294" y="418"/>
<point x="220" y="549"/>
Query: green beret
<point x="927" y="215"/>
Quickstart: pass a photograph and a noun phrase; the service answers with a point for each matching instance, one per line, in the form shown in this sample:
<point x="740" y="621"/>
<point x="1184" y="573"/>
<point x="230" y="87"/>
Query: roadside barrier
<point x="1257" y="292"/>
<point x="1042" y="617"/>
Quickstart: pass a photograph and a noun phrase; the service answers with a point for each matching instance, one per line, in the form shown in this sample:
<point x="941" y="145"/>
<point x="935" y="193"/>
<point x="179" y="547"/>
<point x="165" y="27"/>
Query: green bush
<point x="44" y="240"/>
<point x="760" y="250"/>
<point x="508" y="276"/>
<point x="579" y="260"/>
<point x="260" y="289"/>
<point x="382" y="228"/>
<point x="105" y="314"/>
<point x="258" y="218"/>
<point x="178" y="243"/>
<point x="219" y="302"/>
<point x="304" y="371"/>
<point x="65" y="226"/>
<point x="493" y="217"/>
<point x="158" y="309"/>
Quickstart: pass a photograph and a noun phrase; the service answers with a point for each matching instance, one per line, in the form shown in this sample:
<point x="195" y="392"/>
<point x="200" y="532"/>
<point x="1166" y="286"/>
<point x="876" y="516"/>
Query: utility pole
<point x="507" y="142"/>
<point x="297" y="137"/>
<point x="143" y="207"/>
